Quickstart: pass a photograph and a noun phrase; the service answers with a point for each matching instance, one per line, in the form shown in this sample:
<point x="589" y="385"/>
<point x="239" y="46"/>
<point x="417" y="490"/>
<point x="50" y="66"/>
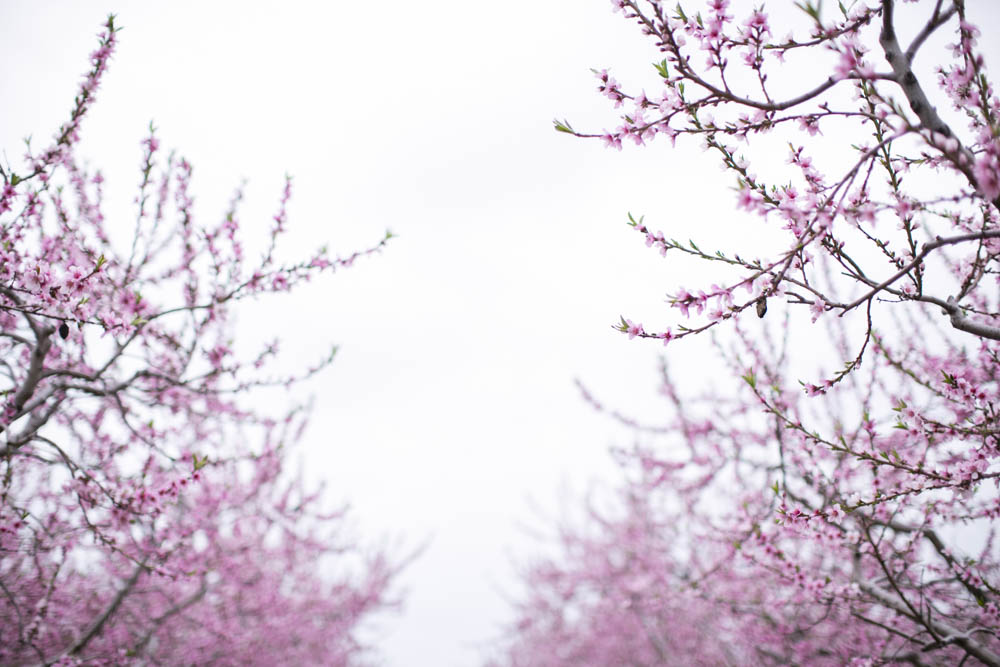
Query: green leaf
<point x="563" y="126"/>
<point x="810" y="9"/>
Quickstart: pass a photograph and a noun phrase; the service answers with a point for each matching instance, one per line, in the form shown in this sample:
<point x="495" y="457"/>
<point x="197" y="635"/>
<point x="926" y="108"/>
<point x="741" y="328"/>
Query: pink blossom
<point x="810" y="124"/>
<point x="634" y="329"/>
<point x="987" y="170"/>
<point x="817" y="308"/>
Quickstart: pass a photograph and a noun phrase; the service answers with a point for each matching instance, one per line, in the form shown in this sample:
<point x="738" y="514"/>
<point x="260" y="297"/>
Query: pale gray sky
<point x="451" y="408"/>
<point x="450" y="412"/>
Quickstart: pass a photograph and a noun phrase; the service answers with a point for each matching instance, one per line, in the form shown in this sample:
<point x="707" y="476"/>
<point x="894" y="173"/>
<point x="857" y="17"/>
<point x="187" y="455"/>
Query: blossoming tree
<point x="146" y="512"/>
<point x="849" y="517"/>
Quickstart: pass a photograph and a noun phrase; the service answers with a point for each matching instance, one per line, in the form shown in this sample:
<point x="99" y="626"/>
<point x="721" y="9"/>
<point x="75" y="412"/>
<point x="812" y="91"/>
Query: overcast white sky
<point x="451" y="406"/>
<point x="450" y="412"/>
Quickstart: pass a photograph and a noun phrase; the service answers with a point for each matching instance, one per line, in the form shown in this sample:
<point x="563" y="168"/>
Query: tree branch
<point x="963" y="323"/>
<point x="958" y="320"/>
<point x="948" y="633"/>
<point x="936" y="21"/>
<point x="961" y="157"/>
<point x="98" y="624"/>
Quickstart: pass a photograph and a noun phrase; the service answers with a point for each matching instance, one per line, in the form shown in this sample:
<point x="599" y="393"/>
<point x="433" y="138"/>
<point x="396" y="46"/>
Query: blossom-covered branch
<point x="147" y="513"/>
<point x="778" y="521"/>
